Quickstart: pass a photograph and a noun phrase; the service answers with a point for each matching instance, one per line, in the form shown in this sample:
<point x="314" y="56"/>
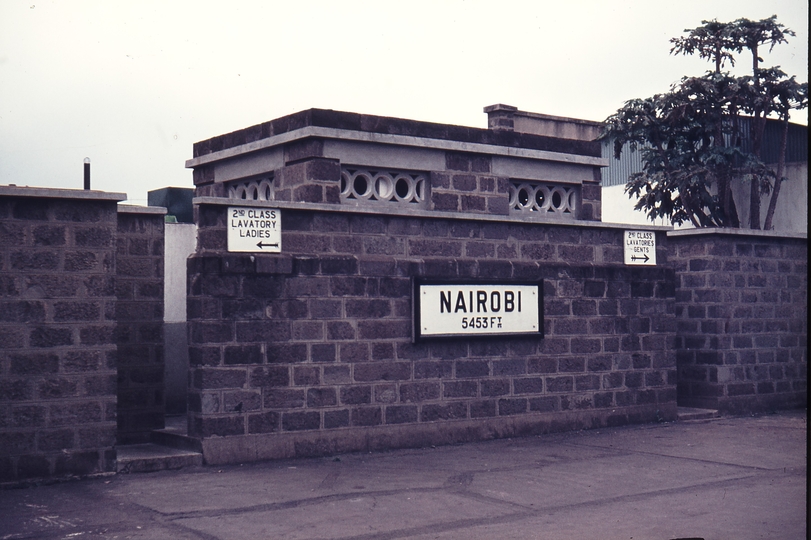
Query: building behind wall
<point x="180" y="240"/>
<point x="791" y="212"/>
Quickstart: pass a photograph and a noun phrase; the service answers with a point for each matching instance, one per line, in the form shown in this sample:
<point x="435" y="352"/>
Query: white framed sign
<point x="639" y="248"/>
<point x="444" y="309"/>
<point x="254" y="230"/>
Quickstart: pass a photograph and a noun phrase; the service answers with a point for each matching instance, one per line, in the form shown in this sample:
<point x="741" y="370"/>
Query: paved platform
<point x="715" y="479"/>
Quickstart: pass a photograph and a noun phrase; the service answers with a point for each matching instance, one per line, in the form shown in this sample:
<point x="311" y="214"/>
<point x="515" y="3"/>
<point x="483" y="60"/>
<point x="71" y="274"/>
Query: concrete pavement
<point x="714" y="479"/>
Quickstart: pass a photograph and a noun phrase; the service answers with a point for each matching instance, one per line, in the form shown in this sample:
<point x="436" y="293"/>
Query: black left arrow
<point x="261" y="245"/>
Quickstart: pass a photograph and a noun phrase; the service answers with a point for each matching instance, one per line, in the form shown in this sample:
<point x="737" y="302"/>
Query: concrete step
<point x="169" y="439"/>
<point x="174" y="435"/>
<point x="692" y="413"/>
<point x="151" y="457"/>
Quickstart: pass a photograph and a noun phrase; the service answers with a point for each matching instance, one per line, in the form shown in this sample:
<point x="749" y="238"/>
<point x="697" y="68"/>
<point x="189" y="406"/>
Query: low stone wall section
<point x="742" y="319"/>
<point x="139" y="322"/>
<point x="310" y="352"/>
<point x="57" y="340"/>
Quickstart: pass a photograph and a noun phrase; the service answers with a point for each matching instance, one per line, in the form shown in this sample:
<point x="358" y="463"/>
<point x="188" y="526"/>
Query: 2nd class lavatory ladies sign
<point x="254" y="230"/>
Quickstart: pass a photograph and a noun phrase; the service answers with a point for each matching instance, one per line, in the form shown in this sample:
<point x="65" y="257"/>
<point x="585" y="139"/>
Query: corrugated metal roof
<point x="619" y="169"/>
<point x="630" y="162"/>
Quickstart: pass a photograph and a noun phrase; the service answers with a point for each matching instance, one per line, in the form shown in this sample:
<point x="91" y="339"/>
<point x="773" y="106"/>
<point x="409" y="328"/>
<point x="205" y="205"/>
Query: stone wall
<point x="310" y="351"/>
<point x="139" y="322"/>
<point x="742" y="319"/>
<point x="57" y="343"/>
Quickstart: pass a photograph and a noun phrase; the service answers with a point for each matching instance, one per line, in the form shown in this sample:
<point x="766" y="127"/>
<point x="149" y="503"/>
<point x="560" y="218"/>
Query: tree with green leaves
<point x="690" y="138"/>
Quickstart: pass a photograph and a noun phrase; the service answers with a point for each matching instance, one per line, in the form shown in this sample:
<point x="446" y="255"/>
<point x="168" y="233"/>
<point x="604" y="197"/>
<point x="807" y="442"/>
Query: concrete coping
<point x="737" y="232"/>
<point x="394" y="139"/>
<point x="384" y="210"/>
<point x="12" y="190"/>
<point x="541" y="116"/>
<point x="135" y="209"/>
<point x="500" y="107"/>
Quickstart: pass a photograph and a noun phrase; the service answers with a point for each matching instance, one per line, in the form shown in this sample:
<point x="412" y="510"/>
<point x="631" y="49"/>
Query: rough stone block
<point x="266" y="422"/>
<point x="321" y="397"/>
<point x="512" y="406"/>
<point x="445" y="411"/>
<point x="401" y="414"/>
<point x="282" y="398"/>
<point x="482" y="409"/>
<point x="366" y="416"/>
<point x="383" y="371"/>
<point x="419" y="392"/>
<point x="528" y="385"/>
<point x="456" y="389"/>
<point x="222" y="426"/>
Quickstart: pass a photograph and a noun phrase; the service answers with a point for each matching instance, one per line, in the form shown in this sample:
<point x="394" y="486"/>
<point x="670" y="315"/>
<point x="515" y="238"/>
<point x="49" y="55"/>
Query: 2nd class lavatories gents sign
<point x="456" y="309"/>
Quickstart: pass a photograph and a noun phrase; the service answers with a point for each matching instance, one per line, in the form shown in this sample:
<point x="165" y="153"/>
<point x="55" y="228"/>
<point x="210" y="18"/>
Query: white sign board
<point x="640" y="248"/>
<point x="254" y="230"/>
<point x="461" y="310"/>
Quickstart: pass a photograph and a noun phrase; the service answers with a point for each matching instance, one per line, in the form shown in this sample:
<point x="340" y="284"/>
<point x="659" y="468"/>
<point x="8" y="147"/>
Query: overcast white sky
<point x="133" y="85"/>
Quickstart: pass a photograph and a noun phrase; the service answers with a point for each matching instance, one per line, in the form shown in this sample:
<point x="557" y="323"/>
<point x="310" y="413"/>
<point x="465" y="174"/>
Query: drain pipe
<point x="87" y="173"/>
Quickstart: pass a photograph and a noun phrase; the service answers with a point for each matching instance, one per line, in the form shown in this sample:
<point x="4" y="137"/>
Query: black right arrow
<point x="635" y="258"/>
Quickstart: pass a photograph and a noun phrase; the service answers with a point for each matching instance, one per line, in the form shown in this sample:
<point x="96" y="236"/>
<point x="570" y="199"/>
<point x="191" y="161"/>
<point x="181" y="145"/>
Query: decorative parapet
<point x="361" y="186"/>
<point x="502" y="117"/>
<point x="335" y="158"/>
<point x="259" y="189"/>
<point x="558" y="201"/>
